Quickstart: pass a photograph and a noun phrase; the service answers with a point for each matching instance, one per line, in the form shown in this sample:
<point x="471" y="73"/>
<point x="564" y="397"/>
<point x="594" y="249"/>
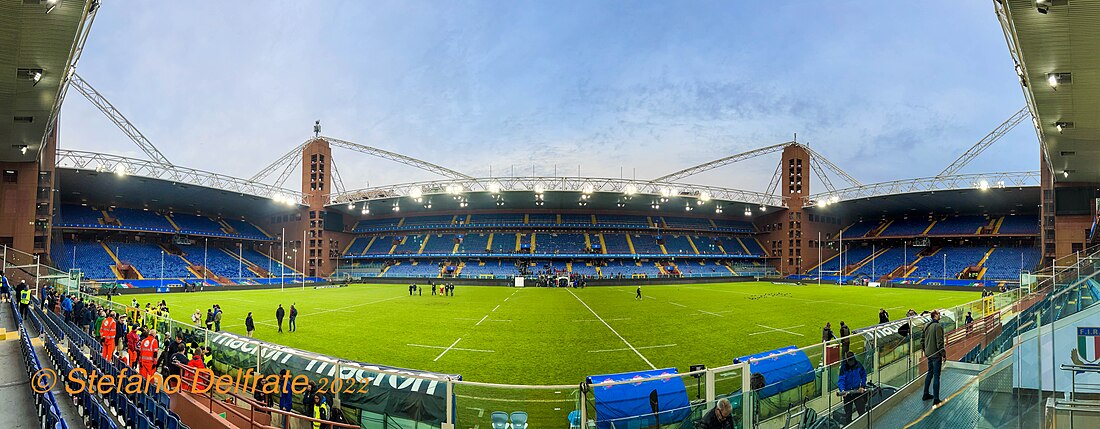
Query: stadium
<point x="512" y="300"/>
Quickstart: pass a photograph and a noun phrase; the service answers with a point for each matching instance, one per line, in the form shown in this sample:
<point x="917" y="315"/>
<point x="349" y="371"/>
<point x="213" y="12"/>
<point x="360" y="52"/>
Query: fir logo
<point x="1088" y="346"/>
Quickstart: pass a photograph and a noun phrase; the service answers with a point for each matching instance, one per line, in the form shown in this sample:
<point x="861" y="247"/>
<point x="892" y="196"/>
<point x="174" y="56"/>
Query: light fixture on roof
<point x="351" y="206"/>
<point x="983" y="185"/>
<point x="1043" y="6"/>
<point x="396" y="207"/>
<point x="1055" y="79"/>
<point x="416" y="192"/>
<point x="718" y="209"/>
<point x="834" y="199"/>
<point x="620" y="204"/>
<point x="540" y="189"/>
<point x="494" y="188"/>
<point x="120" y="169"/>
<point x="587" y="190"/>
<point x="1065" y="173"/>
<point x="822" y="203"/>
<point x="365" y="210"/>
<point x="704" y="196"/>
<point x="1061" y="126"/>
<point x="688" y="207"/>
<point x="748" y="212"/>
<point x="23" y="149"/>
<point x="630" y="189"/>
<point x="51" y="4"/>
<point x="763" y="208"/>
<point x="655" y="206"/>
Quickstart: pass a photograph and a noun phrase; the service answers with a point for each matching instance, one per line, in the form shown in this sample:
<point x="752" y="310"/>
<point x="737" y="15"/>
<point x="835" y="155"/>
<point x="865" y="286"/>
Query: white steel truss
<point x="140" y="167"/>
<point x="986" y="141"/>
<point x="108" y="109"/>
<point x="930" y="184"/>
<point x="288" y="161"/>
<point x="820" y="165"/>
<point x="556" y="184"/>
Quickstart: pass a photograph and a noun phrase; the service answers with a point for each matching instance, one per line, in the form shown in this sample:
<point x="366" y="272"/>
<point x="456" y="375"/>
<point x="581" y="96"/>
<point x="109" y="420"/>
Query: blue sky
<point x="887" y="90"/>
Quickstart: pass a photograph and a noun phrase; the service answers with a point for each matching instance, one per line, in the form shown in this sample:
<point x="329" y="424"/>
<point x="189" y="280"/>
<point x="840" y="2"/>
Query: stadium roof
<point x="89" y="186"/>
<point x="1008" y="200"/>
<point x="39" y="41"/>
<point x="1054" y="44"/>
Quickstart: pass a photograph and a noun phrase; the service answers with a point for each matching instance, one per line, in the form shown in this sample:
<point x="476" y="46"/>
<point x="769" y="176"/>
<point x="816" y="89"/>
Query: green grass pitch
<point x="555" y="336"/>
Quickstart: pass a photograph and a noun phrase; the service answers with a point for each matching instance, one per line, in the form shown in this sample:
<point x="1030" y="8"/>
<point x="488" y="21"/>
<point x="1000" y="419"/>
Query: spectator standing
<point x="827" y="333"/>
<point x="67" y="308"/>
<point x="196" y="318"/>
<point x="320" y="411"/>
<point x="133" y="338"/>
<point x="292" y="325"/>
<point x="852" y="385"/>
<point x="279" y="313"/>
<point x="5" y="289"/>
<point x="217" y="318"/>
<point x="883" y="316"/>
<point x="209" y="319"/>
<point x="249" y="324"/>
<point x="844" y="340"/>
<point x="935" y="351"/>
<point x="969" y="318"/>
<point x="286" y="398"/>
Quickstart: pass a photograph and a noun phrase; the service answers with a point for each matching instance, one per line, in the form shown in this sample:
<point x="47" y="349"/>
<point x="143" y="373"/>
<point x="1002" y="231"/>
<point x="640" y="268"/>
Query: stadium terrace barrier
<point x="892" y="360"/>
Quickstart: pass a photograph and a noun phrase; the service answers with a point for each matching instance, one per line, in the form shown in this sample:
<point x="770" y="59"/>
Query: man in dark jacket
<point x="292" y="325"/>
<point x="279" y="317"/>
<point x="827" y="333"/>
<point x="844" y="340"/>
<point x="883" y="316"/>
<point x="852" y="384"/>
<point x="249" y="324"/>
<point x="719" y="417"/>
<point x="935" y="350"/>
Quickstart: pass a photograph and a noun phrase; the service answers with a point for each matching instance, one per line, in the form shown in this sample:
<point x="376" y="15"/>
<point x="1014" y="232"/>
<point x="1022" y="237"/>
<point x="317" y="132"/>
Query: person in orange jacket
<point x="107" y="331"/>
<point x="147" y="354"/>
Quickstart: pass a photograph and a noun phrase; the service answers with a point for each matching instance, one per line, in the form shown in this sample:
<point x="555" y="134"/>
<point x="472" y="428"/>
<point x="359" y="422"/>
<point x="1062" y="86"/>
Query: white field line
<point x="451" y="348"/>
<point x="677" y="304"/>
<point x="480" y="398"/>
<point x="495" y="308"/>
<point x="447" y="350"/>
<point x="613" y="330"/>
<point x="594" y="320"/>
<point x="712" y="314"/>
<point x="778" y="329"/>
<point x="624" y="349"/>
<point x="482" y="320"/>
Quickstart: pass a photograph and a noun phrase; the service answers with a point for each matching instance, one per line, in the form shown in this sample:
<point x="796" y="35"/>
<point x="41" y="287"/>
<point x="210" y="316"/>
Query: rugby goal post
<point x="823" y="273"/>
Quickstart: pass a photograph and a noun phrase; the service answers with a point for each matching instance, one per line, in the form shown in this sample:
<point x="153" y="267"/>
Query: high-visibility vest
<point x="25" y="297"/>
<point x="320" y="412"/>
<point x="148" y="350"/>
<point x="107" y="329"/>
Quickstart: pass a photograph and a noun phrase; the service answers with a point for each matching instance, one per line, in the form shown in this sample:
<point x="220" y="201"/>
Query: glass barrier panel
<point x="492" y="406"/>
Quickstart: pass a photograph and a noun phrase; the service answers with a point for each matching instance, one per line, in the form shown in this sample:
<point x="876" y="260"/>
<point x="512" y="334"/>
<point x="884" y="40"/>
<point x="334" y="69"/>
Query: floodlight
<point x="834" y="199"/>
<point x="23" y="150"/>
<point x="630" y="189"/>
<point x="539" y="188"/>
<point x="763" y="208"/>
<point x="365" y="210"/>
<point x="821" y="203"/>
<point x="1052" y="79"/>
<point x="494" y="188"/>
<point x="983" y="184"/>
<point x="1043" y="6"/>
<point x="416" y="192"/>
<point x="587" y="189"/>
<point x="120" y="169"/>
<point x="704" y="196"/>
<point x="351" y="206"/>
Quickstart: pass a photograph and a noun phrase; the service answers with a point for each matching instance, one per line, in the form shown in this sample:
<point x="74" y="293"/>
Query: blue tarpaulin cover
<point x="627" y="405"/>
<point x="783" y="369"/>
